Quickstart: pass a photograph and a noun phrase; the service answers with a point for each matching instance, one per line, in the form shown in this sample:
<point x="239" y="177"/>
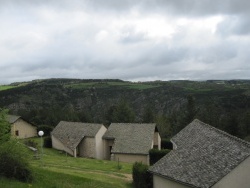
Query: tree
<point x="244" y="126"/>
<point x="121" y="113"/>
<point x="188" y="115"/>
<point x="230" y="124"/>
<point x="210" y="113"/>
<point x="13" y="155"/>
<point x="148" y="115"/>
<point x="191" y="110"/>
<point x="4" y="127"/>
<point x="164" y="126"/>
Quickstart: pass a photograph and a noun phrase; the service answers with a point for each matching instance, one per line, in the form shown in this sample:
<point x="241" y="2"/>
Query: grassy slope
<point x="5" y="87"/>
<point x="59" y="170"/>
<point x="128" y="85"/>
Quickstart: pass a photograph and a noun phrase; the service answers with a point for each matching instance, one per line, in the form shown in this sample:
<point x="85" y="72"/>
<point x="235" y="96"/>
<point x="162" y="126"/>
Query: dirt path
<point x="123" y="176"/>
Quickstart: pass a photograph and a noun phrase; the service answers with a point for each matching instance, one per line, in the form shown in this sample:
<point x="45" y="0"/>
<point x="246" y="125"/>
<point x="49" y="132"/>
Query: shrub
<point x="30" y="143"/>
<point x="166" y="144"/>
<point x="141" y="177"/>
<point x="47" y="143"/>
<point x="14" y="161"/>
<point x="155" y="155"/>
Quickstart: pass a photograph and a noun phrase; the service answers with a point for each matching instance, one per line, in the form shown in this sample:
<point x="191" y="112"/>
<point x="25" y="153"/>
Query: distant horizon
<point x="41" y="79"/>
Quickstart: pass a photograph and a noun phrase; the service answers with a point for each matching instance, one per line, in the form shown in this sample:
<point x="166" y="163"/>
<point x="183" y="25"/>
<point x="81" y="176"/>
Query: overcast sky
<point x="131" y="40"/>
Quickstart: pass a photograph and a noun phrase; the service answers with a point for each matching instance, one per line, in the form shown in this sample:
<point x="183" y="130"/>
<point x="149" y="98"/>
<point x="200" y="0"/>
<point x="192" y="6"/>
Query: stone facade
<point x="159" y="182"/>
<point x="57" y="144"/>
<point x="23" y="129"/>
<point x="86" y="148"/>
<point x="238" y="177"/>
<point x="128" y="158"/>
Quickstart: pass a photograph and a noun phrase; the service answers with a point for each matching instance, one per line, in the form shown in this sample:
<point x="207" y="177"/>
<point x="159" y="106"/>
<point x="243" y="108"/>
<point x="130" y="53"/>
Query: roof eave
<point x="130" y="153"/>
<point x="172" y="179"/>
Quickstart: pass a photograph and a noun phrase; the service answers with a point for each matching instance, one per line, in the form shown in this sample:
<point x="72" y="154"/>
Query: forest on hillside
<point x="170" y="104"/>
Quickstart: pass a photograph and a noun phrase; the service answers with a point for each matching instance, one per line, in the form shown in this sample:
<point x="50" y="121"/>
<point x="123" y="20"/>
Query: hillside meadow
<point x="58" y="170"/>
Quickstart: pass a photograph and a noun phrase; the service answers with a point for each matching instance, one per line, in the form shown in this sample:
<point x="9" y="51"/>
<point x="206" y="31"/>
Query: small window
<point x="17" y="133"/>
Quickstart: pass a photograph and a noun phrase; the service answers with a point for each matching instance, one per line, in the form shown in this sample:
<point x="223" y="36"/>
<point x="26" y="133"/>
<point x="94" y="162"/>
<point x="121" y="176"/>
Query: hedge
<point x="155" y="155"/>
<point x="141" y="177"/>
<point x="47" y="142"/>
<point x="166" y="144"/>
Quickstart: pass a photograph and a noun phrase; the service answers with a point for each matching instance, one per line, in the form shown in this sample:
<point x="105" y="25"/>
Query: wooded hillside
<point x="171" y="104"/>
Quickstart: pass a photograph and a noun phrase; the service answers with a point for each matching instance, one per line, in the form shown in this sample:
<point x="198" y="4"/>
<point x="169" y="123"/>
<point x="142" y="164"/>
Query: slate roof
<point x="203" y="156"/>
<point x="12" y="118"/>
<point x="71" y="133"/>
<point x="131" y="138"/>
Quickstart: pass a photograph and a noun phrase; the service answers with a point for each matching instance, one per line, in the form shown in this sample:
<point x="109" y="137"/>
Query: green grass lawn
<point x="129" y="85"/>
<point x="4" y="87"/>
<point x="58" y="170"/>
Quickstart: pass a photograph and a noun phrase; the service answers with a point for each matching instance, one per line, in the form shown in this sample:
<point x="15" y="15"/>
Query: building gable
<point x="203" y="156"/>
<point x="131" y="138"/>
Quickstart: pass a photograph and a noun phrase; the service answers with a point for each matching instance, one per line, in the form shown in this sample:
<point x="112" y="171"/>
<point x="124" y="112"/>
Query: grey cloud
<point x="133" y="37"/>
<point x="178" y="7"/>
<point x="162" y="55"/>
<point x="234" y="26"/>
<point x="128" y="35"/>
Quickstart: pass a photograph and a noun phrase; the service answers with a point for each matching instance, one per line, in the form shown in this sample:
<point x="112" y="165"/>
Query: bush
<point x="166" y="144"/>
<point x="155" y="155"/>
<point x="47" y="142"/>
<point x="14" y="161"/>
<point x="141" y="177"/>
<point x="30" y="143"/>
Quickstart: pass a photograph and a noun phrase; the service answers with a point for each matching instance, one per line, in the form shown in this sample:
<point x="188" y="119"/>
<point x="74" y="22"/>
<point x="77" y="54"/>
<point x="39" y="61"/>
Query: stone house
<point x="21" y="128"/>
<point x="204" y="157"/>
<point x="79" y="139"/>
<point x="130" y="142"/>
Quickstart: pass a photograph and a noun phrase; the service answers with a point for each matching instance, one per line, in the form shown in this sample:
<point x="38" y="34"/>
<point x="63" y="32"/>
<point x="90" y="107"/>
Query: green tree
<point x="164" y="126"/>
<point x="230" y="124"/>
<point x="188" y="115"/>
<point x="210" y="113"/>
<point x="148" y="115"/>
<point x="244" y="125"/>
<point x="13" y="155"/>
<point x="4" y="126"/>
<point x="122" y="113"/>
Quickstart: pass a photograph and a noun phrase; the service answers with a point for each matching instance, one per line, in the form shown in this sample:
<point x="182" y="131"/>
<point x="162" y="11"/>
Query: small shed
<point x="131" y="142"/>
<point x="79" y="139"/>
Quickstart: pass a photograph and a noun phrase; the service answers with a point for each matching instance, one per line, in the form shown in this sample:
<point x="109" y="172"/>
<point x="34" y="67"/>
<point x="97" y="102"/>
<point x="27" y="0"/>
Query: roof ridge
<point x="224" y="133"/>
<point x="134" y="123"/>
<point x="81" y="122"/>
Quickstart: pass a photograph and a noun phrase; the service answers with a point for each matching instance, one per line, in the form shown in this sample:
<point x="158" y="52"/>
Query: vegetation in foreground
<point x="56" y="169"/>
<point x="13" y="154"/>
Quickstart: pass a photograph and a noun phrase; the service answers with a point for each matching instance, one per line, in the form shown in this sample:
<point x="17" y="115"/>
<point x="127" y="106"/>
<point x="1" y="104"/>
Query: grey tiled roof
<point x="131" y="138"/>
<point x="71" y="133"/>
<point x="204" y="155"/>
<point x="12" y="118"/>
